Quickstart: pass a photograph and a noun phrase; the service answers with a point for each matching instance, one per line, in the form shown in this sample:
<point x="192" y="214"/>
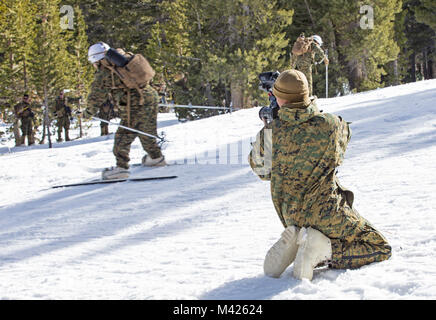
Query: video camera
<point x="267" y="80"/>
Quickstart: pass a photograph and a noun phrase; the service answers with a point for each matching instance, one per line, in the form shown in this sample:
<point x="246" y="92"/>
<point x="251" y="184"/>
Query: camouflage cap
<point x="292" y="86"/>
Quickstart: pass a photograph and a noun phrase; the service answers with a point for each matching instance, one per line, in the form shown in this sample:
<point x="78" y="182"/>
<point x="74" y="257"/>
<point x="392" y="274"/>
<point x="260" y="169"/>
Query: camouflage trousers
<point x="367" y="247"/>
<point x="104" y="129"/>
<point x="63" y="123"/>
<point x="124" y="138"/>
<point x="355" y="242"/>
<point x="27" y="130"/>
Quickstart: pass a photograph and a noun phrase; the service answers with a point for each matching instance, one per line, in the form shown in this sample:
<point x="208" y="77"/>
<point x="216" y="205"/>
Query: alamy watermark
<point x="367" y="20"/>
<point x="217" y="152"/>
<point x="67" y="20"/>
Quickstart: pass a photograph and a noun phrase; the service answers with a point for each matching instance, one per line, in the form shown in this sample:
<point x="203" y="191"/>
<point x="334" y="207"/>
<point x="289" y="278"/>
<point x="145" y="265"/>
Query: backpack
<point x="135" y="73"/>
<point x="302" y="45"/>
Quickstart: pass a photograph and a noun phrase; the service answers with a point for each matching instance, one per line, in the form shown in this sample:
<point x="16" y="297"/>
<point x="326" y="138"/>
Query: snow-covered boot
<point x="115" y="173"/>
<point x="147" y="161"/>
<point x="314" y="248"/>
<point x="282" y="253"/>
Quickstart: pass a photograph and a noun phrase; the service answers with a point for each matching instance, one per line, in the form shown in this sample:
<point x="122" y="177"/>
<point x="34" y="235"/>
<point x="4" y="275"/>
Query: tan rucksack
<point x="136" y="74"/>
<point x="302" y="45"/>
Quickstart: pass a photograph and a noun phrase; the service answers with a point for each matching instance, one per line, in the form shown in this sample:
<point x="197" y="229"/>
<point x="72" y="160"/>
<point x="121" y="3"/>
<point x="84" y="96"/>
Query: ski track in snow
<point x="205" y="234"/>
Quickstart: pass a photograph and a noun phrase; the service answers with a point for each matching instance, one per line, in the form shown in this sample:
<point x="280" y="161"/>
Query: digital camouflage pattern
<point x="143" y="117"/>
<point x="62" y="113"/>
<point x="107" y="113"/>
<point x="305" y="61"/>
<point x="307" y="146"/>
<point x="23" y="113"/>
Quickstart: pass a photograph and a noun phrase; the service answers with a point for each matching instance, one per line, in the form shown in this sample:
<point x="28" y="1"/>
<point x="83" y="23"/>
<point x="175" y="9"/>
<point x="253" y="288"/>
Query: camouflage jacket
<point x="61" y="110"/>
<point x="305" y="148"/>
<point x="107" y="85"/>
<point x="306" y="60"/>
<point x="107" y="111"/>
<point x="23" y="110"/>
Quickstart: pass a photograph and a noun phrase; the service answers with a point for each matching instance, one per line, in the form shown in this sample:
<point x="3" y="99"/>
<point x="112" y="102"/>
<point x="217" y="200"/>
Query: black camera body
<point x="267" y="80"/>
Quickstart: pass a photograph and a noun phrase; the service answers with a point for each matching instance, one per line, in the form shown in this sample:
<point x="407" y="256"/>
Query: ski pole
<point x="326" y="77"/>
<point x="130" y="129"/>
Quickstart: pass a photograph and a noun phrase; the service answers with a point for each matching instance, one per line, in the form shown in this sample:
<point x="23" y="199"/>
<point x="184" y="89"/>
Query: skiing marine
<point x="299" y="153"/>
<point x="137" y="108"/>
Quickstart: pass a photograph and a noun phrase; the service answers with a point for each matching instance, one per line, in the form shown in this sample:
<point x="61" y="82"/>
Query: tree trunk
<point x="80" y="87"/>
<point x="25" y="74"/>
<point x="432" y="67"/>
<point x="396" y="76"/>
<point x="310" y="14"/>
<point x="426" y="73"/>
<point x="209" y="98"/>
<point x="413" y="67"/>
<point x="355" y="74"/>
<point x="422" y="70"/>
<point x="237" y="95"/>
<point x="47" y="117"/>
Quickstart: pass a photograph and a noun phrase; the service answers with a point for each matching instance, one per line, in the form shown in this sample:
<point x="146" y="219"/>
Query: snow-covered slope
<point x="204" y="235"/>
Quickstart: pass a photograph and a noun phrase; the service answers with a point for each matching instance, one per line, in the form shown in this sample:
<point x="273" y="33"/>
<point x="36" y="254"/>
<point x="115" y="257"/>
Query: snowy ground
<point x="204" y="235"/>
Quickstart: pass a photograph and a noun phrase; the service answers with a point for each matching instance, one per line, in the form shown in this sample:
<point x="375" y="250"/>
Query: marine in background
<point x="106" y="112"/>
<point x="24" y="119"/>
<point x="62" y="113"/>
<point x="305" y="53"/>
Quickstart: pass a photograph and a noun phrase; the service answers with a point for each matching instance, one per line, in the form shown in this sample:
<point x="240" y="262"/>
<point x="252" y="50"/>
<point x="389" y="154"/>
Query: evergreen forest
<point x="208" y="52"/>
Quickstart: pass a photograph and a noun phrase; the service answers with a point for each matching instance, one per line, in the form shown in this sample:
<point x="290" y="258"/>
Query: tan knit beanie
<point x="291" y="85"/>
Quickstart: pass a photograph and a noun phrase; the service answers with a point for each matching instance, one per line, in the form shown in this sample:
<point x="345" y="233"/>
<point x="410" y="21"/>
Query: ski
<point x="136" y="165"/>
<point x="112" y="181"/>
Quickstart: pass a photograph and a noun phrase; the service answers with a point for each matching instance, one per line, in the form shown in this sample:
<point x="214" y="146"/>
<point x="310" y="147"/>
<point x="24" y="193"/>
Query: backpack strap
<point x="113" y="71"/>
<point x="128" y="107"/>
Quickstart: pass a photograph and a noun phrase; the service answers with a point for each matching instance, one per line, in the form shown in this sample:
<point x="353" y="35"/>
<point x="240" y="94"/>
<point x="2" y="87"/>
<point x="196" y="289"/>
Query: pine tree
<point x="121" y="24"/>
<point x="220" y="48"/>
<point x="426" y="12"/>
<point x="420" y="44"/>
<point x="365" y="51"/>
<point x="397" y="69"/>
<point x="82" y="70"/>
<point x="16" y="39"/>
<point x="50" y="62"/>
<point x="316" y="17"/>
<point x="250" y="40"/>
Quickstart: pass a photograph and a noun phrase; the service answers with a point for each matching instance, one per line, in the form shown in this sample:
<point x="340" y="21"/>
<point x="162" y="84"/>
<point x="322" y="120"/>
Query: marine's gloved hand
<point x="326" y="61"/>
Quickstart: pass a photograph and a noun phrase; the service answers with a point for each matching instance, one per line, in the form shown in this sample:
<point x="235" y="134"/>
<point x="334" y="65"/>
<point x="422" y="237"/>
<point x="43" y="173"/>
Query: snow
<point x="205" y="234"/>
